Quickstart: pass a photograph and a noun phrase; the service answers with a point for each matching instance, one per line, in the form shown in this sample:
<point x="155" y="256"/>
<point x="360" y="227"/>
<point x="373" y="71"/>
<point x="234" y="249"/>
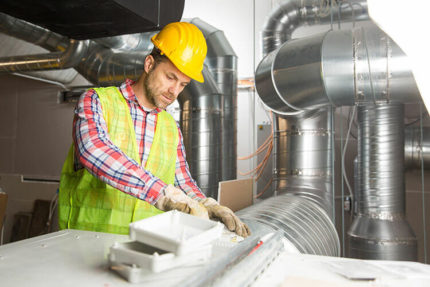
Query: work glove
<point x="227" y="216"/>
<point x="175" y="199"/>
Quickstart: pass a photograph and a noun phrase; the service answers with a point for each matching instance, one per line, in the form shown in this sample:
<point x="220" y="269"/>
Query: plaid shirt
<point x="103" y="159"/>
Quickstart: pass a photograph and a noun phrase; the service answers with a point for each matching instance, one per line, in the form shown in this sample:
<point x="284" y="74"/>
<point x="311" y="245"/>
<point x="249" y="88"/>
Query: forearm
<point x="183" y="178"/>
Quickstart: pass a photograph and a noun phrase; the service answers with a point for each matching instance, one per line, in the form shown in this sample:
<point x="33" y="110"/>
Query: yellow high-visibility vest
<point x="87" y="203"/>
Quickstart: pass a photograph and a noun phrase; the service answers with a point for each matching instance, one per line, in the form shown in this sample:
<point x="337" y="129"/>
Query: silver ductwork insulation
<point x="303" y="154"/>
<point x="131" y="42"/>
<point x="294" y="13"/>
<point x="303" y="222"/>
<point x="32" y="33"/>
<point x="14" y="30"/>
<point x="417" y="147"/>
<point x="71" y="57"/>
<point x="222" y="63"/>
<point x="335" y="68"/>
<point x="380" y="229"/>
<point x="200" y="120"/>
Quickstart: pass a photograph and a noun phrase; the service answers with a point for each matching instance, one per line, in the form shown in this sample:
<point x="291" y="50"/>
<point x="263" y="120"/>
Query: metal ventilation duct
<point x="201" y="114"/>
<point x="311" y="178"/>
<point x="294" y="13"/>
<point x="380" y="229"/>
<point x="304" y="223"/>
<point x="83" y="19"/>
<point x="364" y="67"/>
<point x="222" y="63"/>
<point x="303" y="155"/>
<point x="417" y="147"/>
<point x="336" y="68"/>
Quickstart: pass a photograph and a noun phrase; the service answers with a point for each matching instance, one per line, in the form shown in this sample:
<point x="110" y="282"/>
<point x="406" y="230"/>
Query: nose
<point x="175" y="89"/>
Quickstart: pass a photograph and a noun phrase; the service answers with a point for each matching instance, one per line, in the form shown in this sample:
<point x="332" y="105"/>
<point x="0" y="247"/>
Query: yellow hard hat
<point x="184" y="44"/>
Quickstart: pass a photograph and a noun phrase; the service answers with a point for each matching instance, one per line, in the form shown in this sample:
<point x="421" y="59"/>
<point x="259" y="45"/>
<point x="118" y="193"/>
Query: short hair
<point x="158" y="56"/>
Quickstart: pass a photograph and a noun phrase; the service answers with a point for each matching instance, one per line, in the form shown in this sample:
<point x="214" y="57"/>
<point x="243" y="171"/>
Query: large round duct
<point x="304" y="223"/>
<point x="200" y="121"/>
<point x="335" y="68"/>
<point x="380" y="229"/>
<point x="303" y="155"/>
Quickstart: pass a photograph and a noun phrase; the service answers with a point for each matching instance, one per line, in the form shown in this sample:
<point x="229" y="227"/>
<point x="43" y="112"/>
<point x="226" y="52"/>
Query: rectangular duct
<point x="89" y="19"/>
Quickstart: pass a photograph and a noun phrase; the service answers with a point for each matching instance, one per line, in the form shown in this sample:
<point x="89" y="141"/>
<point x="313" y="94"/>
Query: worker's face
<point x="163" y="82"/>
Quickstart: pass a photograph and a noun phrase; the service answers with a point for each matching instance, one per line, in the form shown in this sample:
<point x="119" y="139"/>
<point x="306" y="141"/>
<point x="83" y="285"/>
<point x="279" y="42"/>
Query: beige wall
<point x="35" y="133"/>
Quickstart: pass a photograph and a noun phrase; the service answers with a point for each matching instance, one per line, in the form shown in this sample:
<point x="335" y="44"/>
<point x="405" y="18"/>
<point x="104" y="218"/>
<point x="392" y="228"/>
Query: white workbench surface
<point x="79" y="258"/>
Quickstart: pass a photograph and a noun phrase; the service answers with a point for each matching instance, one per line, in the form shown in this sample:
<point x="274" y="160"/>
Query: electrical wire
<point x="355" y="124"/>
<point x="257" y="172"/>
<point x="342" y="189"/>
<point x="344" y="152"/>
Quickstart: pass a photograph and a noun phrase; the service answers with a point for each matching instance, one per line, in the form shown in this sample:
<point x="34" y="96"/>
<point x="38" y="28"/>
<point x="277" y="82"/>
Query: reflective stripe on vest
<point x="86" y="202"/>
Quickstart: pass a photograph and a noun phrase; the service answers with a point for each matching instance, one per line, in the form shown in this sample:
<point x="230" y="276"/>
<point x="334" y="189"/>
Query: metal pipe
<point x="130" y="42"/>
<point x="303" y="155"/>
<point x="222" y="63"/>
<point x="291" y="14"/>
<point x="42" y="62"/>
<point x="200" y="122"/>
<point x="336" y="68"/>
<point x="380" y="229"/>
<point x="277" y="30"/>
<point x="32" y="33"/>
<point x="415" y="149"/>
<point x="303" y="222"/>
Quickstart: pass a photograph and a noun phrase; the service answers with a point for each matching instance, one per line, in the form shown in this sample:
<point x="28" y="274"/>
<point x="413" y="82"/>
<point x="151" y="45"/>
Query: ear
<point x="149" y="63"/>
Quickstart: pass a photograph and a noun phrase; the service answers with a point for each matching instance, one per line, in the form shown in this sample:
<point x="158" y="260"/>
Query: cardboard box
<point x="236" y="194"/>
<point x="3" y="201"/>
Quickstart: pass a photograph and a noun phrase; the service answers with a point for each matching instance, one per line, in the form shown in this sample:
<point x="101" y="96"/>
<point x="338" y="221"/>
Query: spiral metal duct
<point x="304" y="223"/>
<point x="201" y="126"/>
<point x="222" y="63"/>
<point x="380" y="229"/>
<point x="303" y="155"/>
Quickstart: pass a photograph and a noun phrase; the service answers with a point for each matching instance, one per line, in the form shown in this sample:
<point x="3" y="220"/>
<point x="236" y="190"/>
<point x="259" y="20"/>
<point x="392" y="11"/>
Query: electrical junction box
<point x="163" y="242"/>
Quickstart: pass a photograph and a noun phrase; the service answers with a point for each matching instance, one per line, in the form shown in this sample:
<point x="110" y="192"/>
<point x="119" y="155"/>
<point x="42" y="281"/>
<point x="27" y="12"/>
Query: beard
<point x="151" y="94"/>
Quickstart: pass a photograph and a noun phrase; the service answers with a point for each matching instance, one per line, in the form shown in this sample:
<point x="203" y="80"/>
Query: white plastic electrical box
<point x="154" y="259"/>
<point x="176" y="232"/>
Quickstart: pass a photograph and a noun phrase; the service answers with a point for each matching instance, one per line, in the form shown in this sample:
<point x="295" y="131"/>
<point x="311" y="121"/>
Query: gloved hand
<point x="176" y="199"/>
<point x="227" y="216"/>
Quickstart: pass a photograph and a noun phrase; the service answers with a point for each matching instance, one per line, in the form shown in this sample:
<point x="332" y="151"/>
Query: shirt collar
<point x="129" y="95"/>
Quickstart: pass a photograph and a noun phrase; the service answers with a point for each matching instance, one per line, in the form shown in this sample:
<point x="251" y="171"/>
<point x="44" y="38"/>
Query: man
<point x="128" y="158"/>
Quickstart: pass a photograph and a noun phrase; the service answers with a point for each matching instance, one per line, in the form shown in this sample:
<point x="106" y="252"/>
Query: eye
<point x="170" y="77"/>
